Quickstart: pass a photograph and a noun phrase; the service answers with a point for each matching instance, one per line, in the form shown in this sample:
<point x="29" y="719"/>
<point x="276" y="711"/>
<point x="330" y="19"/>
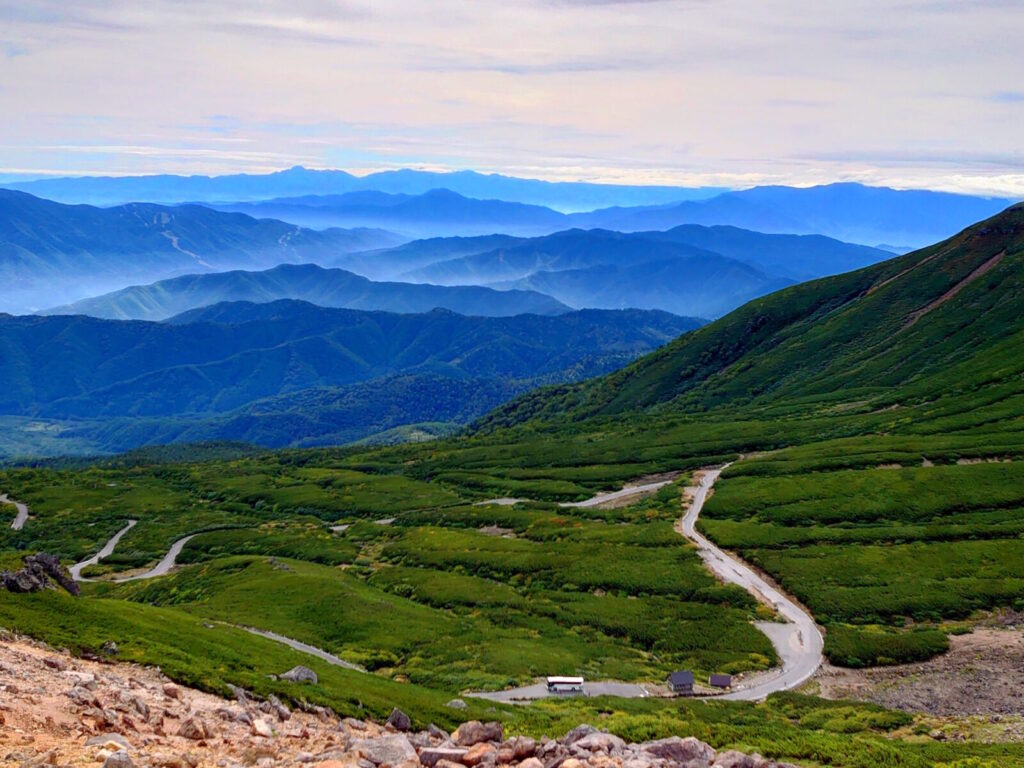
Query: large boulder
<point x="300" y="674"/>
<point x="475" y="732"/>
<point x="599" y="742"/>
<point x="578" y="733"/>
<point x="399" y="720"/>
<point x="688" y="751"/>
<point x="392" y="750"/>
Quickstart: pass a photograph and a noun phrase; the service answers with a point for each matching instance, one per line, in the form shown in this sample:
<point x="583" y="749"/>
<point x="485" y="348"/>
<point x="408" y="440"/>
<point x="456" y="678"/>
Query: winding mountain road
<point x="22" y="515"/>
<point x="798" y="641"/>
<point x="106" y="551"/>
<point x="164" y="566"/>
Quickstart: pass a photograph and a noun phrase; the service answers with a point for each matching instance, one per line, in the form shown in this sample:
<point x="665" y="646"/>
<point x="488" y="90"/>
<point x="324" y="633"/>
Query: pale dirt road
<point x="21" y="517"/>
<point x="798" y="642"/>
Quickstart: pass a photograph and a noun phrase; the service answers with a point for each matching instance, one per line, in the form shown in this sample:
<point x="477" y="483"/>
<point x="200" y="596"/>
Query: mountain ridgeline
<point x="846" y="211"/>
<point x="53" y="253"/>
<point x="942" y="320"/>
<point x="306" y="282"/>
<point x="288" y="372"/>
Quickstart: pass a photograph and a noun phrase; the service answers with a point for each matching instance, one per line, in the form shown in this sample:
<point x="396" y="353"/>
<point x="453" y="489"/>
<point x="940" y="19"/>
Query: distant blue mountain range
<point x="901" y="219"/>
<point x="299" y="181"/>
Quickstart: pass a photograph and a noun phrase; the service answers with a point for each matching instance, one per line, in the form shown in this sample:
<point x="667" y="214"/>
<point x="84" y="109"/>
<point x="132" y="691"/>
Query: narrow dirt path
<point x="798" y="642"/>
<point x="107" y="551"/>
<point x="21" y="517"/>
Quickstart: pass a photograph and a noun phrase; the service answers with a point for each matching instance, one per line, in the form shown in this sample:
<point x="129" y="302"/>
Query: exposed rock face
<point x="41" y="571"/>
<point x="117" y="715"/>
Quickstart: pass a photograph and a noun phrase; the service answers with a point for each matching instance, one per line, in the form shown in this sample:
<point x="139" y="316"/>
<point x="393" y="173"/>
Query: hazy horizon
<point x="907" y="93"/>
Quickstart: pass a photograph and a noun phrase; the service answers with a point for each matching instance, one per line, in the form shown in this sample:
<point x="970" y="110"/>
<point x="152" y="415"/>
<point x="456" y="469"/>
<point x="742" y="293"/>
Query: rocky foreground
<point x="57" y="710"/>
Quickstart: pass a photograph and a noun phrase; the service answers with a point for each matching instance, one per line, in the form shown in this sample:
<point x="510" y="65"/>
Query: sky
<point x="908" y="93"/>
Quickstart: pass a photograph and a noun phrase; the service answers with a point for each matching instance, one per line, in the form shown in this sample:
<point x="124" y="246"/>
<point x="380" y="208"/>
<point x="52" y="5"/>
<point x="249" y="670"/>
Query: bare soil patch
<point x="982" y="674"/>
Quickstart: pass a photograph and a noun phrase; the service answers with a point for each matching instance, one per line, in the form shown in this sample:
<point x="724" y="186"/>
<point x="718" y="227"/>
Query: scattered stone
<point x="109" y="648"/>
<point x="531" y="762"/>
<point x="195" y="729"/>
<point x="46" y="758"/>
<point x="300" y="674"/>
<point x="399" y="720"/>
<point x="457" y="704"/>
<point x="261" y="727"/>
<point x="111" y="741"/>
<point x="172" y="691"/>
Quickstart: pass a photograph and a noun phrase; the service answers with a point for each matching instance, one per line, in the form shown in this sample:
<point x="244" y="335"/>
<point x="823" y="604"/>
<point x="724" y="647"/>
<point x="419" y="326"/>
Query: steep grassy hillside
<point x="914" y="327"/>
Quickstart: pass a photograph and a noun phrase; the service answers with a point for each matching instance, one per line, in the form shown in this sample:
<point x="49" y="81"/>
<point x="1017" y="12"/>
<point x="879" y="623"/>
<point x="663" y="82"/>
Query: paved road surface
<point x="798" y="642"/>
<point x="164" y="566"/>
<point x="107" y="551"/>
<point x="312" y="650"/>
<point x="625" y="493"/>
<point x="21" y="517"/>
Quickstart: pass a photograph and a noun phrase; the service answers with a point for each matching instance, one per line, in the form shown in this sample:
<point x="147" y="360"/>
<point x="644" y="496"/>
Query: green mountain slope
<point x="945" y="316"/>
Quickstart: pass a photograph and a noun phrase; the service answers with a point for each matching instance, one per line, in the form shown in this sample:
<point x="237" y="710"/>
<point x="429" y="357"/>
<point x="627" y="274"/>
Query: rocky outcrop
<point x="117" y="715"/>
<point x="40" y="571"/>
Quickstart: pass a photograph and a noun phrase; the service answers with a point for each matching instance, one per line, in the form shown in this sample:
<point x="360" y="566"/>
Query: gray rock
<point x="392" y="749"/>
<point x="399" y="720"/>
<point x="119" y="759"/>
<point x="457" y="704"/>
<point x="681" y="750"/>
<point x="106" y="738"/>
<point x="300" y="674"/>
<point x="431" y="755"/>
<point x="578" y="733"/>
<point x="475" y="732"/>
<point x="109" y="648"/>
<point x="599" y="742"/>
<point x="40" y="571"/>
<point x="734" y="759"/>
